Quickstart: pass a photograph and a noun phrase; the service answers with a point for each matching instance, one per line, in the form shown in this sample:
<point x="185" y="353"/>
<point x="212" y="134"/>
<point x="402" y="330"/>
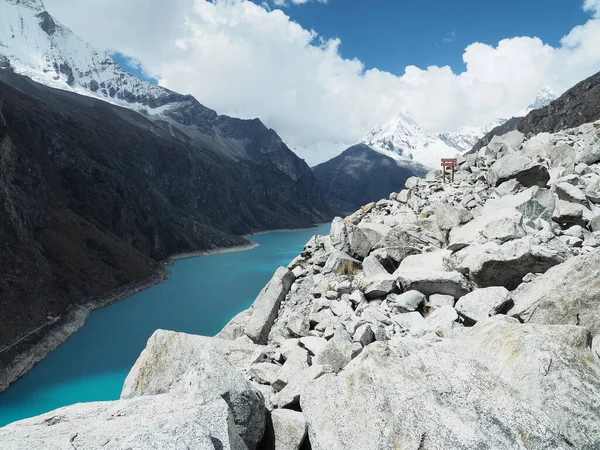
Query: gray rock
<point x="177" y="363"/>
<point x="408" y="301"/>
<point x="372" y="267"/>
<point x="567" y="213"/>
<point x="341" y="264"/>
<point x="298" y="324"/>
<point x="289" y="428"/>
<point x="147" y="423"/>
<point x="374" y="231"/>
<point x="596" y="347"/>
<point x="519" y="167"/>
<point x="380" y="286"/>
<point x="265" y="308"/>
<point x="235" y="327"/>
<point x="314" y="345"/>
<point x="449" y="217"/>
<point x="549" y="367"/>
<point x="595" y="223"/>
<point x="264" y="373"/>
<point x="433" y="282"/>
<point x="569" y="193"/>
<point x="401" y="242"/>
<point x="533" y="203"/>
<point x="506" y="265"/>
<point x="338" y="353"/>
<point x="439" y="300"/>
<point x="441" y="321"/>
<point x="473" y="231"/>
<point x="483" y="303"/>
<point x="503" y="230"/>
<point x="296" y="362"/>
<point x="431" y="399"/>
<point x="364" y="335"/>
<point x="429" y="261"/>
<point x="591" y="154"/>
<point x="349" y="239"/>
<point x="567" y="294"/>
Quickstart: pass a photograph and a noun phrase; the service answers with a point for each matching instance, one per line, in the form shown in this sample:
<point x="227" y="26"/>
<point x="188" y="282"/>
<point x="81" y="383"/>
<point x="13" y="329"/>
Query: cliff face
<point x="94" y="195"/>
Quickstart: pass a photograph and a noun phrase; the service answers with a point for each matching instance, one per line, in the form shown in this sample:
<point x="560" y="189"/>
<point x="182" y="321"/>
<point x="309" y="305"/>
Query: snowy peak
<point x="49" y="53"/>
<point x="543" y="98"/>
<point x="403" y="139"/>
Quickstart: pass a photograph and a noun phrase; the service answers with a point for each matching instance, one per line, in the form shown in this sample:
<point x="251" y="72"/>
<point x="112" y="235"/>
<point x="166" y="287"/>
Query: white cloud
<point x="243" y="59"/>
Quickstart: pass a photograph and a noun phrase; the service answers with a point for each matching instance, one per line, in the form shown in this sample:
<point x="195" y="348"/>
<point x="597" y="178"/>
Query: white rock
<point x="265" y="308"/>
<point x="433" y="282"/>
<point x="177" y="363"/>
<point x="289" y="428"/>
<point x="483" y="303"/>
<point x="408" y="301"/>
<point x="147" y="423"/>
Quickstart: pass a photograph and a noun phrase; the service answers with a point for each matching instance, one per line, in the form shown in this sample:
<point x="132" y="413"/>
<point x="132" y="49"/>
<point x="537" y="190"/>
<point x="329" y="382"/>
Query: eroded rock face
<point x="567" y="294"/>
<point x="176" y="363"/>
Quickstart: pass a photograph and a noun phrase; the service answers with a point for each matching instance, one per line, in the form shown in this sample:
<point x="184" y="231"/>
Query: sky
<point x="322" y="73"/>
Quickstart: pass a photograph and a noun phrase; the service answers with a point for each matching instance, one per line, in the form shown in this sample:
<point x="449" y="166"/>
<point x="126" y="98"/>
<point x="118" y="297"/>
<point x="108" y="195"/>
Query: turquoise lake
<point x="200" y="297"/>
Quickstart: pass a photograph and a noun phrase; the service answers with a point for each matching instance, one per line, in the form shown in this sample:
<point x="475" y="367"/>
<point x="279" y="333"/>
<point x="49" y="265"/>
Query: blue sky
<point x="392" y="34"/>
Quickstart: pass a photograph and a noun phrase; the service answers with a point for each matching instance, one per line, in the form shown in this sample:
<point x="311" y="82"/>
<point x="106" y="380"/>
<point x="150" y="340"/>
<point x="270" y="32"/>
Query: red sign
<point x="448" y="162"/>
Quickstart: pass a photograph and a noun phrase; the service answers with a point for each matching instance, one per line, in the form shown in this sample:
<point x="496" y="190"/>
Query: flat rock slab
<point x="178" y="422"/>
<point x="433" y="282"/>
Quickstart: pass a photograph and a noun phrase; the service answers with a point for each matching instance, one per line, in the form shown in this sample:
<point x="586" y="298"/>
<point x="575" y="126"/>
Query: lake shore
<point x="35" y="346"/>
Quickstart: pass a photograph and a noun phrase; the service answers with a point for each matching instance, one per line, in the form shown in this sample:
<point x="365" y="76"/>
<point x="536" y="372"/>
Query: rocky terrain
<point x="94" y="197"/>
<point x="446" y="316"/>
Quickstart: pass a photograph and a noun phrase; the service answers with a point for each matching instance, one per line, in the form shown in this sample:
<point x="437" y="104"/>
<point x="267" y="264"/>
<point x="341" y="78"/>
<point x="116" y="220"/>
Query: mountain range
<point x="391" y="153"/>
<point x="108" y="175"/>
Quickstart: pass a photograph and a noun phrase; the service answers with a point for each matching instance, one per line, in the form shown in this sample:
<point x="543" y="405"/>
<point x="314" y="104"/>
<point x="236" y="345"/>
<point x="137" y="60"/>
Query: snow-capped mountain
<point x="403" y="139"/>
<point x="544" y="97"/>
<point x="49" y="53"/>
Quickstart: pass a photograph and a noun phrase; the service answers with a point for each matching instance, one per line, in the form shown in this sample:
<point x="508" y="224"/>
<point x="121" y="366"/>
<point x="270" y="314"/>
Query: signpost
<point x="448" y="162"/>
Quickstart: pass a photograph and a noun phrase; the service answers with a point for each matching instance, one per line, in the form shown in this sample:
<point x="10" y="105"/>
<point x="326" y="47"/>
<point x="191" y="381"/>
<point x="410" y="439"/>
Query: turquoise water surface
<point x="200" y="297"/>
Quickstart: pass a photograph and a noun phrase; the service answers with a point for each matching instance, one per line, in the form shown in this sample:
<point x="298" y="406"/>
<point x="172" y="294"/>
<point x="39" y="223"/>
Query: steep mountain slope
<point x="361" y="175"/>
<point x="579" y="105"/>
<point x="93" y="195"/>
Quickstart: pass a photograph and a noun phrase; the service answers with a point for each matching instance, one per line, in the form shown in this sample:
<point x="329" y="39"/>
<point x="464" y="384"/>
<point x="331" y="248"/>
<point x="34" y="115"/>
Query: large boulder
<point x="518" y="167"/>
<point x="505" y="265"/>
<point x="349" y="239"/>
<point x="533" y="203"/>
<point x="289" y="428"/>
<point x="158" y="422"/>
<point x="401" y="242"/>
<point x="431" y="282"/>
<point x="433" y="398"/>
<point x="266" y="306"/>
<point x="549" y="367"/>
<point x="341" y="264"/>
<point x="177" y="363"/>
<point x="235" y="327"/>
<point x="431" y="261"/>
<point x="483" y="303"/>
<point x="492" y="223"/>
<point x="567" y="294"/>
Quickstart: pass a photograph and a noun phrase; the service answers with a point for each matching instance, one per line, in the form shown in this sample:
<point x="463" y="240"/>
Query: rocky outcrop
<point x="451" y="316"/>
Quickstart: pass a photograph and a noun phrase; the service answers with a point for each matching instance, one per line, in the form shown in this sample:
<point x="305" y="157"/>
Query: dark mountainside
<point x="93" y="196"/>
<point x="361" y="175"/>
<point x="579" y="105"/>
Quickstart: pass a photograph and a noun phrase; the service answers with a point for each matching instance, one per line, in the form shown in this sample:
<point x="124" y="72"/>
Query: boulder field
<point x="448" y="316"/>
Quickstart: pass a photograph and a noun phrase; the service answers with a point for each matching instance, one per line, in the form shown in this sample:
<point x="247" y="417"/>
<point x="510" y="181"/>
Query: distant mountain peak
<point x="544" y="97"/>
